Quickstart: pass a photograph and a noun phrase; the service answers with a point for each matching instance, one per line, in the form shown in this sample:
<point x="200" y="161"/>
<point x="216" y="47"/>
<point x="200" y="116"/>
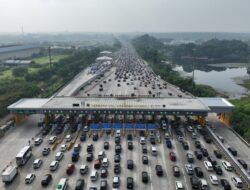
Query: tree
<point x="19" y="71"/>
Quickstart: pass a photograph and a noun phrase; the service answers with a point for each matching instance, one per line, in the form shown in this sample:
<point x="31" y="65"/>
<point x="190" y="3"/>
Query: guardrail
<point x="238" y="168"/>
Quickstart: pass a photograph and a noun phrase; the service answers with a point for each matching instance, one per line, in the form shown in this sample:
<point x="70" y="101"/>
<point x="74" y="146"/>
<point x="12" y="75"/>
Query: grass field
<point x="6" y="74"/>
<point x="45" y="60"/>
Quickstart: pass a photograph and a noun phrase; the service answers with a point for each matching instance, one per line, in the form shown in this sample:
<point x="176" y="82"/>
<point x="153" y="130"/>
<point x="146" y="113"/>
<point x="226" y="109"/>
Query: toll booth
<point x="129" y="128"/>
<point x="141" y="128"/>
<point x="152" y="126"/>
<point x="95" y="127"/>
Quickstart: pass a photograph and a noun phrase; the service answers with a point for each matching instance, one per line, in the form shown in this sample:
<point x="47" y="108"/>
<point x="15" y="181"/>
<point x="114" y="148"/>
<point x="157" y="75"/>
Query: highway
<point x="139" y="80"/>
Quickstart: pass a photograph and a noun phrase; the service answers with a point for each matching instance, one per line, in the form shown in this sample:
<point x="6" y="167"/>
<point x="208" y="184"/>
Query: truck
<point x="9" y="174"/>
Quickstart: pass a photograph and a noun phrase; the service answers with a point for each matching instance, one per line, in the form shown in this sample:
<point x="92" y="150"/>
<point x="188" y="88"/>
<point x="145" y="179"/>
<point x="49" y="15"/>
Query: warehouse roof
<point x="18" y="48"/>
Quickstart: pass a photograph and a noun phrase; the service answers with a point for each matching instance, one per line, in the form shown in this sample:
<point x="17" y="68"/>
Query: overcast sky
<point x="125" y="15"/>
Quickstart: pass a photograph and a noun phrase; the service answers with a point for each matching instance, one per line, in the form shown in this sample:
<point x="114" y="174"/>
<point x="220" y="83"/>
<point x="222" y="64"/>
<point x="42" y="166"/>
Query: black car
<point x="130" y="145"/>
<point x="117" y="140"/>
<point x="104" y="185"/>
<point x="90" y="148"/>
<point x="117" y="158"/>
<point x="118" y="149"/>
<point x="117" y="169"/>
<point x="46" y="180"/>
<point x="144" y="159"/>
<point x="217" y="169"/>
<point x="176" y="171"/>
<point x="89" y="157"/>
<point x="104" y="173"/>
<point x="195" y="182"/>
<point x="130" y="164"/>
<point x="243" y="163"/>
<point x="197" y="144"/>
<point x="159" y="170"/>
<point x="232" y="151"/>
<point x="83" y="137"/>
<point x="198" y="154"/>
<point x="79" y="184"/>
<point x="225" y="184"/>
<point x="185" y="145"/>
<point x="129" y="137"/>
<point x="217" y="154"/>
<point x="204" y="152"/>
<point x="95" y="137"/>
<point x="130" y="183"/>
<point x="144" y="177"/>
<point x="144" y="149"/>
<point x="152" y="140"/>
<point x="190" y="157"/>
<point x="207" y="139"/>
<point x="212" y="160"/>
<point x="106" y="145"/>
<point x="198" y="172"/>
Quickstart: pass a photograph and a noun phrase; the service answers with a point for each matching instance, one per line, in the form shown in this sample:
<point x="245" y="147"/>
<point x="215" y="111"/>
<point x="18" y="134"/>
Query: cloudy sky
<point x="125" y="15"/>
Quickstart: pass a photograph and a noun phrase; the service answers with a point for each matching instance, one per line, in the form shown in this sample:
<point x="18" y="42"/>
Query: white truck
<point x="9" y="174"/>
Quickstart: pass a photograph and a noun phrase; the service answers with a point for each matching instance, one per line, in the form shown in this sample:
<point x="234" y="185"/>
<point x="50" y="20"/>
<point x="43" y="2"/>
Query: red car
<point x="70" y="169"/>
<point x="172" y="156"/>
<point x="97" y="164"/>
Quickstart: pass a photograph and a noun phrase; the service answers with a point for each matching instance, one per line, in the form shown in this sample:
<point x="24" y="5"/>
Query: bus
<point x="23" y="156"/>
<point x="62" y="185"/>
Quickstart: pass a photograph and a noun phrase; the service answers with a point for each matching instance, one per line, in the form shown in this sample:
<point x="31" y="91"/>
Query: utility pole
<point x="50" y="65"/>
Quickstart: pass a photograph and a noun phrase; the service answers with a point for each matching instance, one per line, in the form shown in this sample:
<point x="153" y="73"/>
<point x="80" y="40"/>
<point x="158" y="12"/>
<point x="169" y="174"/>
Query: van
<point x="54" y="165"/>
<point x="105" y="162"/>
<point x="153" y="151"/>
<point x="37" y="163"/>
<point x="237" y="182"/>
<point x="203" y="184"/>
<point x="94" y="176"/>
<point x="59" y="156"/>
<point x="208" y="166"/>
<point x="142" y="141"/>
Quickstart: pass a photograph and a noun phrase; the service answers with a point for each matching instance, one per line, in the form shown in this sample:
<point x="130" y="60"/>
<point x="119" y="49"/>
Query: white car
<point x="59" y="156"/>
<point x="227" y="165"/>
<point x="214" y="180"/>
<point x="29" y="178"/>
<point x="84" y="169"/>
<point x="237" y="182"/>
<point x="54" y="165"/>
<point x="208" y="166"/>
<point x="38" y="141"/>
<point x="178" y="185"/>
<point x="37" y="163"/>
<point x="189" y="169"/>
<point x="68" y="138"/>
<point x="63" y="147"/>
<point x="52" y="139"/>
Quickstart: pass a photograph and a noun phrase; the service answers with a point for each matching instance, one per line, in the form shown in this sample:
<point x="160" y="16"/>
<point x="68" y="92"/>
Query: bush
<point x="19" y="71"/>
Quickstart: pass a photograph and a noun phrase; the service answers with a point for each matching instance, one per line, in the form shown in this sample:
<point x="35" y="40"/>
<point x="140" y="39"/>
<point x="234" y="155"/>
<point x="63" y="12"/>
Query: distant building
<point x="18" y="51"/>
<point x="12" y="62"/>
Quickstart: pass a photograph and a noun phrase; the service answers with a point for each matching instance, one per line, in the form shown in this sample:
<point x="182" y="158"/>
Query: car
<point x="144" y="159"/>
<point x="52" y="139"/>
<point x="144" y="177"/>
<point x="142" y="141"/>
<point x="117" y="158"/>
<point x="185" y="145"/>
<point x="79" y="184"/>
<point x="159" y="170"/>
<point x="232" y="151"/>
<point x="130" y="183"/>
<point x="118" y="149"/>
<point x="217" y="169"/>
<point x="97" y="164"/>
<point x="63" y="148"/>
<point x="190" y="129"/>
<point x="94" y="176"/>
<point x="77" y="147"/>
<point x="106" y="145"/>
<point x="37" y="163"/>
<point x="101" y="155"/>
<point x="90" y="157"/>
<point x="54" y="165"/>
<point x="208" y="166"/>
<point x="38" y="141"/>
<point x="243" y="163"/>
<point x="237" y="182"/>
<point x="144" y="149"/>
<point x="180" y="138"/>
<point x="129" y="137"/>
<point x="104" y="173"/>
<point x="214" y="180"/>
<point x="217" y="154"/>
<point x="198" y="172"/>
<point x="116" y="182"/>
<point x="130" y="164"/>
<point x="84" y="169"/>
<point x="193" y="135"/>
<point x="83" y="137"/>
<point x="207" y="139"/>
<point x="117" y="169"/>
<point x="130" y="145"/>
<point x="203" y="184"/>
<point x="90" y="148"/>
<point x="70" y="169"/>
<point x="59" y="156"/>
<point x="225" y="184"/>
<point x="178" y="185"/>
<point x="189" y="169"/>
<point x="152" y="140"/>
<point x="46" y="151"/>
<point x="227" y="165"/>
<point x="172" y="156"/>
<point x="204" y="152"/>
<point x="176" y="171"/>
<point x="220" y="138"/>
<point x="197" y="144"/>
<point x="169" y="143"/>
<point x="190" y="157"/>
<point x="198" y="154"/>
<point x="47" y="178"/>
<point x="117" y="140"/>
<point x="30" y="178"/>
<point x="103" y="185"/>
<point x="85" y="129"/>
<point x="212" y="160"/>
<point x="68" y="138"/>
<point x="95" y="137"/>
<point x="195" y="182"/>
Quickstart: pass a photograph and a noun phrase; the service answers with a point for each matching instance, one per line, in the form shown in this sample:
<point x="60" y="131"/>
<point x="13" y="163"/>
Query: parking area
<point x="167" y="181"/>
